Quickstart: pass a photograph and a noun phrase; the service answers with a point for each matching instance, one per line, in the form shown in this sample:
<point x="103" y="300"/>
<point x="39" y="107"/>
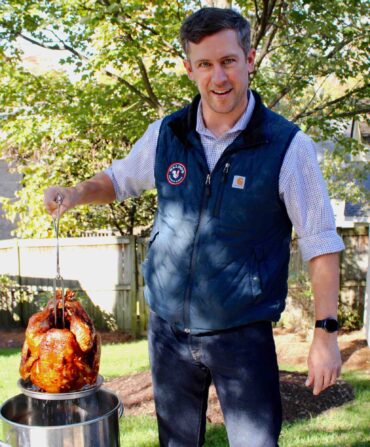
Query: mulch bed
<point x="298" y="401"/>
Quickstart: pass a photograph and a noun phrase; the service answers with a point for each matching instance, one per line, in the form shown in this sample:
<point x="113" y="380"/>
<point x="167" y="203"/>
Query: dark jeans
<point x="241" y="363"/>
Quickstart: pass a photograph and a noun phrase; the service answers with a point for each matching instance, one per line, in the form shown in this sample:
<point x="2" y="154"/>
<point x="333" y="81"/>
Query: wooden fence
<point x="106" y="273"/>
<point x="105" y="269"/>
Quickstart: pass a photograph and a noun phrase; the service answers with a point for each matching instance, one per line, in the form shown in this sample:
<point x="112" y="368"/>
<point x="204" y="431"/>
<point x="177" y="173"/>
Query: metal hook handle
<point x="59" y="201"/>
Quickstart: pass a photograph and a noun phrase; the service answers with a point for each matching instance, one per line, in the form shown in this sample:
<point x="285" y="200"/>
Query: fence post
<point x="367" y="297"/>
<point x="141" y="303"/>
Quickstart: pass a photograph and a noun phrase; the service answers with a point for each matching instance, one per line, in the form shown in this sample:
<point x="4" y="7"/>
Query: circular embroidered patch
<point x="176" y="173"/>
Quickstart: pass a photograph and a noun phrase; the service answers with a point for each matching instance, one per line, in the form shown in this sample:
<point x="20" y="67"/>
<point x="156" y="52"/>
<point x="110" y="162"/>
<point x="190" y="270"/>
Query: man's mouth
<point x="221" y="92"/>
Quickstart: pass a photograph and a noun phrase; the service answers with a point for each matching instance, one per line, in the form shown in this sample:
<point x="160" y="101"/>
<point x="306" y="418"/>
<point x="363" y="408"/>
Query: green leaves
<point x="124" y="70"/>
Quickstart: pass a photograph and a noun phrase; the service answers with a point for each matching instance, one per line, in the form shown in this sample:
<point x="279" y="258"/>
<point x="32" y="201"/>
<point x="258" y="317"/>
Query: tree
<point x="128" y="60"/>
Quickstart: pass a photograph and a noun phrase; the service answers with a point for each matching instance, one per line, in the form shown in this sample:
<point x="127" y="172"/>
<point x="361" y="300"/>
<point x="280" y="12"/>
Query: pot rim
<point x="118" y="407"/>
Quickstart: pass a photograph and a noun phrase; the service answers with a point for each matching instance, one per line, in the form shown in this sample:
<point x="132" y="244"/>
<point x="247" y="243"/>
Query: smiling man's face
<point x="221" y="70"/>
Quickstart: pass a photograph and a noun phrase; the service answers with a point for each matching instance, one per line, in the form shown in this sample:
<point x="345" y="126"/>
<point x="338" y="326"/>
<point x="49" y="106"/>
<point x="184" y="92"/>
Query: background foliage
<point x="124" y="71"/>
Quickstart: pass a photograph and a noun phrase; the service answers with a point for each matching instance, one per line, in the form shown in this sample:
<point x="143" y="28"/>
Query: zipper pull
<point x="208" y="185"/>
<point x="225" y="172"/>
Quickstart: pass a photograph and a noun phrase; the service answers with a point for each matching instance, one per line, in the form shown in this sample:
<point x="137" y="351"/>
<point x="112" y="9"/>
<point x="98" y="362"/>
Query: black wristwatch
<point x="329" y="324"/>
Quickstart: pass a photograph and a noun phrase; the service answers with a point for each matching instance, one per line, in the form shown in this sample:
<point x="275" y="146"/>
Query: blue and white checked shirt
<point x="301" y="185"/>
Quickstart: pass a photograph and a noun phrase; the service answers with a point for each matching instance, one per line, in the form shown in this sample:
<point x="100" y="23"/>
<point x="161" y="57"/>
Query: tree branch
<point x="148" y="86"/>
<point x="257" y="10"/>
<point x="290" y="87"/>
<point x="274" y="28"/>
<point x="263" y="21"/>
<point x="311" y="100"/>
<point x="123" y="81"/>
<point x="69" y="48"/>
<point x="281" y="95"/>
<point x="124" y="15"/>
<point x="115" y="220"/>
<point x="145" y="77"/>
<point x="131" y="87"/>
<point x="40" y="44"/>
<point x="265" y="49"/>
<point x="361" y="110"/>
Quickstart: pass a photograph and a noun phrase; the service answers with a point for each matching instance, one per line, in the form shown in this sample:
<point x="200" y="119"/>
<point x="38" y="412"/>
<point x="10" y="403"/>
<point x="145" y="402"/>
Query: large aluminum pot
<point x="91" y="421"/>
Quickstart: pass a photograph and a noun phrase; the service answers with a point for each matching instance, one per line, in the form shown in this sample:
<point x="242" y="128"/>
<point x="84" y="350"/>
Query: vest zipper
<point x="221" y="190"/>
<point x="206" y="195"/>
<point x="208" y="188"/>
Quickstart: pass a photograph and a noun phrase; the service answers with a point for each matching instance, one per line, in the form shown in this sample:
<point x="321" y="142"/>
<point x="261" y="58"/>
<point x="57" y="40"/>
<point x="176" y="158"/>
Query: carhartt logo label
<point x="176" y="173"/>
<point x="238" y="182"/>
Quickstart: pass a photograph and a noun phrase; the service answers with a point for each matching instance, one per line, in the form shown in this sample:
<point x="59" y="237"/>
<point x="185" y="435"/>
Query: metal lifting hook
<point x="58" y="279"/>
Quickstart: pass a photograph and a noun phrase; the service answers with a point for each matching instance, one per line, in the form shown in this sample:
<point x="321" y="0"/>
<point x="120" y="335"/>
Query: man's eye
<point x="229" y="61"/>
<point x="203" y="64"/>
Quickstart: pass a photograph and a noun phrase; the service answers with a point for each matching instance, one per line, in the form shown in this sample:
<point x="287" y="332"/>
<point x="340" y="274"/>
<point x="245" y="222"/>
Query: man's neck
<point x="220" y="123"/>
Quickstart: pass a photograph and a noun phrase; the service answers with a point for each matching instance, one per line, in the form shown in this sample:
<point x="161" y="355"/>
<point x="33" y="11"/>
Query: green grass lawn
<point x="346" y="426"/>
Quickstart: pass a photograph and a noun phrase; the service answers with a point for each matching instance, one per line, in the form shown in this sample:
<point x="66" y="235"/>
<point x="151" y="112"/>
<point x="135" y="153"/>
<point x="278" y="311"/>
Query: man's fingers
<point x="333" y="379"/>
<point x="318" y="384"/>
<point x="320" y="381"/>
<point x="310" y="379"/>
<point x="54" y="199"/>
<point x="339" y="370"/>
<point x="328" y="377"/>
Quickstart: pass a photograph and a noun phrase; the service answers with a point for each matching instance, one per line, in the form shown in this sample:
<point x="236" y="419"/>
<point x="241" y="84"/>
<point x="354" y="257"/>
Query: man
<point x="231" y="177"/>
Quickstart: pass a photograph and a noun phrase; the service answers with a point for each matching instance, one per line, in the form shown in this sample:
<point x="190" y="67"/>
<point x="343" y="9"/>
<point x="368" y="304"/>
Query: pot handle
<point x="120" y="411"/>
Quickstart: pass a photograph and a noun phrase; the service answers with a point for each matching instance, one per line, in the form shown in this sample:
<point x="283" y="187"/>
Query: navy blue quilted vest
<point x="219" y="249"/>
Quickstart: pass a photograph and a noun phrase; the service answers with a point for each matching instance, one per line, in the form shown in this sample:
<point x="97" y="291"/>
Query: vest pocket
<point x="221" y="189"/>
<point x="153" y="238"/>
<point x="257" y="274"/>
<point x="144" y="264"/>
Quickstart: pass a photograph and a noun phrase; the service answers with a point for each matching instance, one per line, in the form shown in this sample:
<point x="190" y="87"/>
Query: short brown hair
<point x="208" y="21"/>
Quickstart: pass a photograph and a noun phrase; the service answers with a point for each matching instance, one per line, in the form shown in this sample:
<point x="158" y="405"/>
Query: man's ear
<point x="188" y="69"/>
<point x="250" y="59"/>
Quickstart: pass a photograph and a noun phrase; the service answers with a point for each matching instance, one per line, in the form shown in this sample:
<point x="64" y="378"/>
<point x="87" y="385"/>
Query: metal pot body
<point x="91" y="421"/>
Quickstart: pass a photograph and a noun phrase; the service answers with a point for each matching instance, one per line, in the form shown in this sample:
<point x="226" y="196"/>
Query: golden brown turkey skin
<point x="59" y="367"/>
<point x="61" y="359"/>
<point x="80" y="325"/>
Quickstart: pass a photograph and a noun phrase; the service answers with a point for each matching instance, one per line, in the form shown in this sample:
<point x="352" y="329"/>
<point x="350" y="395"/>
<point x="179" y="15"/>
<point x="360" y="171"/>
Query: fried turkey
<point x="58" y="359"/>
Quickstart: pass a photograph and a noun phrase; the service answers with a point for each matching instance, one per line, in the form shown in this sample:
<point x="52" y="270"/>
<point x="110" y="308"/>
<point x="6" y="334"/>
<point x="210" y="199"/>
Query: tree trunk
<point x="220" y="3"/>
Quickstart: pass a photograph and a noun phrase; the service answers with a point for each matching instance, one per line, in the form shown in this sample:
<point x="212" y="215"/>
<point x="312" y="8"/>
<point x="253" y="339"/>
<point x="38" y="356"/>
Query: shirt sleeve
<point x="304" y="192"/>
<point x="135" y="173"/>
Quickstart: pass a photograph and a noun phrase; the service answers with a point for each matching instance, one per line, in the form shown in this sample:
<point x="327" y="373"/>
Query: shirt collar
<point x="240" y="125"/>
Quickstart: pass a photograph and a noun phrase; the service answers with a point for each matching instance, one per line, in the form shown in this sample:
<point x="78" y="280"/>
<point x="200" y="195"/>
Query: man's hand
<point x="98" y="189"/>
<point x="324" y="361"/>
<point x="69" y="199"/>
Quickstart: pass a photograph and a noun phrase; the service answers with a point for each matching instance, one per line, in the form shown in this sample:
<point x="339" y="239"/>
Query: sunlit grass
<point x="123" y="359"/>
<point x="9" y="365"/>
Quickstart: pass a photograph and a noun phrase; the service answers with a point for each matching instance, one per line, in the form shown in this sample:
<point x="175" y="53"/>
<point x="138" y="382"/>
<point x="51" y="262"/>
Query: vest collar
<point x="256" y="132"/>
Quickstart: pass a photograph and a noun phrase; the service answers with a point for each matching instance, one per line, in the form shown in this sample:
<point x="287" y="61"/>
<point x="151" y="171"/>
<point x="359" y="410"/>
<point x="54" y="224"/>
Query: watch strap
<point x="329" y="324"/>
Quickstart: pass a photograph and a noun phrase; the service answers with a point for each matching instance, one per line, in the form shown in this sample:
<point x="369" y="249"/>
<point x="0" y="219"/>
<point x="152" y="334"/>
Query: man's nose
<point x="219" y="75"/>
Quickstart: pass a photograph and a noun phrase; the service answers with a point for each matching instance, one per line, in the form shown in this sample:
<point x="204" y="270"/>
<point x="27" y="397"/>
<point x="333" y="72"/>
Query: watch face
<point x="331" y="325"/>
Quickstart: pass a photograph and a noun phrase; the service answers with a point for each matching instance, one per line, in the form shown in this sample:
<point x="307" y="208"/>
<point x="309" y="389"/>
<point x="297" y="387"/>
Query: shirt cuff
<point x="110" y="174"/>
<point x="320" y="244"/>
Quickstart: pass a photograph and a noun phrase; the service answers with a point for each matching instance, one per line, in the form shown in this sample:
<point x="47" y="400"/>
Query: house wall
<point x="9" y="184"/>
